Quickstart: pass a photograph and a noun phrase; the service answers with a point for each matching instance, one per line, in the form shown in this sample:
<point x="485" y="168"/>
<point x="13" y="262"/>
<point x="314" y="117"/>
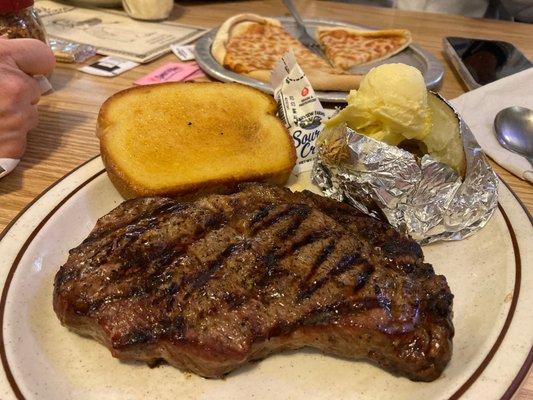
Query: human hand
<point x="20" y="59"/>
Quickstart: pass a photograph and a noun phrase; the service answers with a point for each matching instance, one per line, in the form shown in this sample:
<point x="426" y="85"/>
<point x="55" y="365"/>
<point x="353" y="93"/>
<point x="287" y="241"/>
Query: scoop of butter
<point x="392" y="105"/>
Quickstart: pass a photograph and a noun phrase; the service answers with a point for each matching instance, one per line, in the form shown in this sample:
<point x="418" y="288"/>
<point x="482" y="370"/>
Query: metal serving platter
<point x="431" y="68"/>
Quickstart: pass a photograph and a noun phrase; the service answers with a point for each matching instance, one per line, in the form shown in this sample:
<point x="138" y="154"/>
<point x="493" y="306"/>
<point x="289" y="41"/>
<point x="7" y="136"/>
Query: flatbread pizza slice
<point x="346" y="47"/>
<point x="252" y="45"/>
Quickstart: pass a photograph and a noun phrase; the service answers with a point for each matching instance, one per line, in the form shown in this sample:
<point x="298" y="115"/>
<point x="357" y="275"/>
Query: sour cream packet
<point x="299" y="108"/>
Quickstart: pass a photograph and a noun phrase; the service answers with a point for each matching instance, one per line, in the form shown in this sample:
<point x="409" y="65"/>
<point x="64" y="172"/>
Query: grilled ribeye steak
<point x="210" y="284"/>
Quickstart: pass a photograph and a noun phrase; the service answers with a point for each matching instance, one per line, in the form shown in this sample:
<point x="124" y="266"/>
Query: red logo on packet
<point x="304" y="91"/>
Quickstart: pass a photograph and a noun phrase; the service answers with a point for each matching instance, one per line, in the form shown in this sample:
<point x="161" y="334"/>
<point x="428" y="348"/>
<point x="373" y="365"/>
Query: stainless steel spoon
<point x="514" y="130"/>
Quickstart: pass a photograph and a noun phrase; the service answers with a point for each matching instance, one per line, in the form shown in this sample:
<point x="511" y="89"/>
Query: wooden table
<point x="65" y="136"/>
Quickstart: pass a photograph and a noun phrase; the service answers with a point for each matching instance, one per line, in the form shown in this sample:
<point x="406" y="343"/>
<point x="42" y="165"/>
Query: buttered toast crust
<point x="181" y="139"/>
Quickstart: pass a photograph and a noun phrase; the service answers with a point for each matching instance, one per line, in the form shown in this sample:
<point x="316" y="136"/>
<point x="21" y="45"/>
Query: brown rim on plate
<point x="515" y="384"/>
<point x="9" y="277"/>
<point x="516" y="292"/>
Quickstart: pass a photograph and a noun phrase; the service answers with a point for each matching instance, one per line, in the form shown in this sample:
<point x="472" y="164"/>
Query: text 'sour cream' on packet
<point x="299" y="108"/>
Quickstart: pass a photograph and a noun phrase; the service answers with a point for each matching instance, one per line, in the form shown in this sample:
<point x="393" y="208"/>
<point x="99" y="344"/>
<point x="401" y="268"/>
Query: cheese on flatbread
<point x="252" y="45"/>
<point x="347" y="47"/>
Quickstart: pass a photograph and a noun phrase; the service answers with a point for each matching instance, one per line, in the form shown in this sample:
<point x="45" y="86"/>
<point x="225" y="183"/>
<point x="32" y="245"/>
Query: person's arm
<point x="20" y="59"/>
<point x="520" y="10"/>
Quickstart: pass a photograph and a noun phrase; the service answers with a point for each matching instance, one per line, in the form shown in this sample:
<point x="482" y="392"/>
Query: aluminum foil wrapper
<point x="70" y="52"/>
<point x="424" y="198"/>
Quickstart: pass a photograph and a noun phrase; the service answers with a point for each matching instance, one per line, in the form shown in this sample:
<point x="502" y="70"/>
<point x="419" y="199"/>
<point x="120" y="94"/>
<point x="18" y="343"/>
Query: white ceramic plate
<point x="490" y="275"/>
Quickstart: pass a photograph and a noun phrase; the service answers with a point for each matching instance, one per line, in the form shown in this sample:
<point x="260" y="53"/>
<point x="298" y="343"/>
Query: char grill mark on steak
<point x="205" y="275"/>
<point x="322" y="256"/>
<point x="343" y="265"/>
<point x="292" y="216"/>
<point x="133" y="257"/>
<point x="363" y="276"/>
<point x="264" y="220"/>
<point x="210" y="284"/>
<point x="270" y="261"/>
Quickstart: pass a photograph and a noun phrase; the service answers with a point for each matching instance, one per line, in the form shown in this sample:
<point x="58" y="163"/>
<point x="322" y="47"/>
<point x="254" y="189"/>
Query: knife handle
<point x="294" y="11"/>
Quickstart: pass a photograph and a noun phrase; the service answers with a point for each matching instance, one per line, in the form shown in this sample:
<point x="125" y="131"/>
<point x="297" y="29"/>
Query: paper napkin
<point x="479" y="107"/>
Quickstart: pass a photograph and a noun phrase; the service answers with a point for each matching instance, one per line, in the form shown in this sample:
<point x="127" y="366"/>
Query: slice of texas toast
<point x="176" y="139"/>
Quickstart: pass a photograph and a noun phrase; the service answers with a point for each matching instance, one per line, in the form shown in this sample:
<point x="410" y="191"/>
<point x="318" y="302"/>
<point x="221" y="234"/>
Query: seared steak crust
<point x="209" y="285"/>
